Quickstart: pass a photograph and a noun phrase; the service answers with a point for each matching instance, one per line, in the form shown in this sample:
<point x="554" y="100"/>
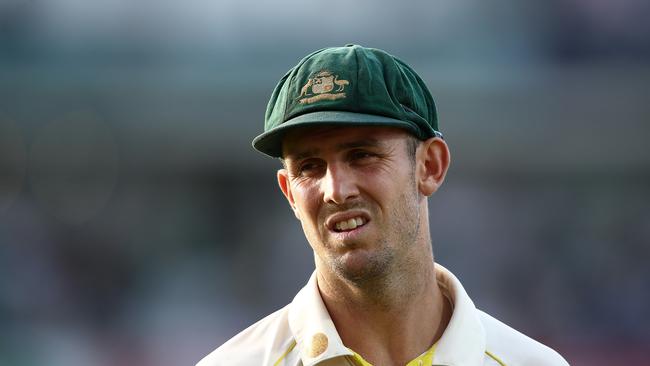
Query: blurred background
<point x="138" y="226"/>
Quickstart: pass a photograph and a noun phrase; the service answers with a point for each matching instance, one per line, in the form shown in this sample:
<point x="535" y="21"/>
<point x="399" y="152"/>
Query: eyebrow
<point x="364" y="142"/>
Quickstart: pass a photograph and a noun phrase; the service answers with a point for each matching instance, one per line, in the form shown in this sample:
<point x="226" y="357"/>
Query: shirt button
<point x="318" y="344"/>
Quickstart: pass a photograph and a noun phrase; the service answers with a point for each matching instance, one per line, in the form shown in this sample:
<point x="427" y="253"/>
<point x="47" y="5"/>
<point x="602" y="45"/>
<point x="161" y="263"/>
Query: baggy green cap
<point x="348" y="86"/>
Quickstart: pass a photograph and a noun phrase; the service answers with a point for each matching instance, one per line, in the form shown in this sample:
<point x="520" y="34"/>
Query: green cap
<point x="348" y="86"/>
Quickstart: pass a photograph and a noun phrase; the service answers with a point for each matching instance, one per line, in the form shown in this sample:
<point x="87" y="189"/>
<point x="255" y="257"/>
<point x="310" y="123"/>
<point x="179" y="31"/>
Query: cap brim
<point x="270" y="142"/>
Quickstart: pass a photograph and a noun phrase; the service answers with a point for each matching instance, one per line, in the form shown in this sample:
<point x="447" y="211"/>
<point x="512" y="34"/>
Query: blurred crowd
<point x="138" y="226"/>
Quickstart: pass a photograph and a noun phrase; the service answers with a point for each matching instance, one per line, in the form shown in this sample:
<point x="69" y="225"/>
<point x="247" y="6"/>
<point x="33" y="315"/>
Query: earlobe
<point x="285" y="187"/>
<point x="433" y="160"/>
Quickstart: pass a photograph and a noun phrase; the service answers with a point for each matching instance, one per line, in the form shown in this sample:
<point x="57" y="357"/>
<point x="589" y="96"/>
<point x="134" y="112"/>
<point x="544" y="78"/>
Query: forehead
<point x="313" y="139"/>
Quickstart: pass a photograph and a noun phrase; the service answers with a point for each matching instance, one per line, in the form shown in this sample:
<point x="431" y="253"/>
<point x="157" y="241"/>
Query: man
<point x="357" y="133"/>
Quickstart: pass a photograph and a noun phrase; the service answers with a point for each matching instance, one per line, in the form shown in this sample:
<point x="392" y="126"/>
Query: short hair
<point x="412" y="144"/>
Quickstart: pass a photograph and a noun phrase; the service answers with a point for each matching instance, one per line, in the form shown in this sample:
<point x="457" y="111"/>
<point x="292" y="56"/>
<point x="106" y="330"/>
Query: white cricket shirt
<point x="303" y="334"/>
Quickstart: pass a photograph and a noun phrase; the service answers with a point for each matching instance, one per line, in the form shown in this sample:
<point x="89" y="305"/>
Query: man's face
<point x="355" y="193"/>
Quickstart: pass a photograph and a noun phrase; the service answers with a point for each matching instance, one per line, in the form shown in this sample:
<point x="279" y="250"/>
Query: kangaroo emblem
<point x="305" y="88"/>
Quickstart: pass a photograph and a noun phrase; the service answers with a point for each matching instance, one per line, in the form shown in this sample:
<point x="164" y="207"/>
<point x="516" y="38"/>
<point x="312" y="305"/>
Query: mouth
<point x="345" y="223"/>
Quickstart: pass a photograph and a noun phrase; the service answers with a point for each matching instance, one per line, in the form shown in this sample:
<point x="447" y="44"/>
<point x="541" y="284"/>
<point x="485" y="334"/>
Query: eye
<point x="308" y="167"/>
<point x="361" y="155"/>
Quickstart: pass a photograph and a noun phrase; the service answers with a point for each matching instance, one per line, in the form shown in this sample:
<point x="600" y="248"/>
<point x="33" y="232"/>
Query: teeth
<point x="350" y="224"/>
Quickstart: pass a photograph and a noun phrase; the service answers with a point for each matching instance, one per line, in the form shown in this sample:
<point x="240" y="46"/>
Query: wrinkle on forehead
<point x="356" y="138"/>
<point x="310" y="151"/>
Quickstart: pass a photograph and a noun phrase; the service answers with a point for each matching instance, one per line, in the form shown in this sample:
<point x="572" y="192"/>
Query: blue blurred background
<point x="138" y="226"/>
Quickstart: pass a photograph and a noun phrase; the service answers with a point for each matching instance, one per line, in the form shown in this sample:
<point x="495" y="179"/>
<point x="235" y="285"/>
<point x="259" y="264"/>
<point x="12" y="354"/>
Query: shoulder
<point x="510" y="347"/>
<point x="260" y="344"/>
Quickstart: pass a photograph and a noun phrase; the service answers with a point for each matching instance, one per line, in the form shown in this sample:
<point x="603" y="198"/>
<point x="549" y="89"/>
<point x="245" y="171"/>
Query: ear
<point x="432" y="162"/>
<point x="283" y="182"/>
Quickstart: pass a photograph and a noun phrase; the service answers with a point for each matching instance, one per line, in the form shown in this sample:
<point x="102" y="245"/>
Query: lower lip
<point x="349" y="234"/>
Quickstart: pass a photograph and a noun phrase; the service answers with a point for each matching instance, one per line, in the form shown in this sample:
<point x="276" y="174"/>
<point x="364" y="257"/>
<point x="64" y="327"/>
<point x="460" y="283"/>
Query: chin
<point x="360" y="266"/>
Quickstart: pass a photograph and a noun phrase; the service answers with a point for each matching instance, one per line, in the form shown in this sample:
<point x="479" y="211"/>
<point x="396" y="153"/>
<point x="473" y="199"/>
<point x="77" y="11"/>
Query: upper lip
<point x="341" y="216"/>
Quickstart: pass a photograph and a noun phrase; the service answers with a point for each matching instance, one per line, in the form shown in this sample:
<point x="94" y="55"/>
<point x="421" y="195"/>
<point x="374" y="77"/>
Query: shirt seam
<point x="291" y="347"/>
<point x="495" y="358"/>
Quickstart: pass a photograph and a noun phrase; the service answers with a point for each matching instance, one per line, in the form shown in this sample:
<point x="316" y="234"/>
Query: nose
<point x="339" y="184"/>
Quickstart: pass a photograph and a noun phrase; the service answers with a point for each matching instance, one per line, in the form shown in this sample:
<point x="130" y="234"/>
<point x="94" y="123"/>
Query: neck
<point x="391" y="320"/>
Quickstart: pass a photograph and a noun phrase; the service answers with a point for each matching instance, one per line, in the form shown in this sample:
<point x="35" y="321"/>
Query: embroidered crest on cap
<point x="320" y="87"/>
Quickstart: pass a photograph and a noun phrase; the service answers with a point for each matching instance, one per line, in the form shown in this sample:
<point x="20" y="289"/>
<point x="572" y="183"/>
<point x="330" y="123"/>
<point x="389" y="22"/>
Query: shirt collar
<point x="314" y="331"/>
<point x="462" y="343"/>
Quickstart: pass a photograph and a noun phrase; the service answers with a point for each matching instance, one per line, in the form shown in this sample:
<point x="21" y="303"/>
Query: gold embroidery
<point x="321" y="85"/>
<point x="305" y="88"/>
<point x="322" y="97"/>
<point x="340" y="83"/>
